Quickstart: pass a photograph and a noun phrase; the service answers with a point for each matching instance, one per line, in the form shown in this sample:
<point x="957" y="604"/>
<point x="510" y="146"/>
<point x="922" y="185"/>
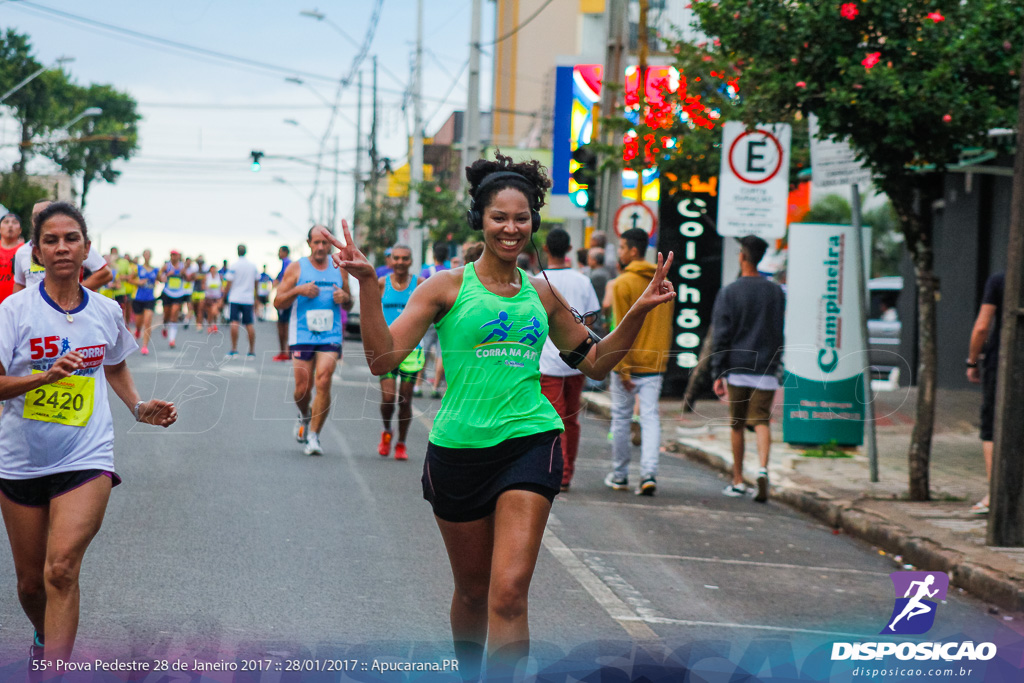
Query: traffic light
<point x="585" y="176"/>
<point x="256" y="156"/>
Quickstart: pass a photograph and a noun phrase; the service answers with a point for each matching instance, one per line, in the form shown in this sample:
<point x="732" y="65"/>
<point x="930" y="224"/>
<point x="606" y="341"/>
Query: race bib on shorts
<point x="320" y="320"/>
<point x="67" y="401"/>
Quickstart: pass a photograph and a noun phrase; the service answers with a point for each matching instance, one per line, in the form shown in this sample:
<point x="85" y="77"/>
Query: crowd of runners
<point x="494" y="458"/>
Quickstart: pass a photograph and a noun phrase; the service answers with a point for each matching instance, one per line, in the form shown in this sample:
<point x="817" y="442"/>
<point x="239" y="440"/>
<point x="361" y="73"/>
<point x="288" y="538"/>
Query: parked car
<point x="884" y="332"/>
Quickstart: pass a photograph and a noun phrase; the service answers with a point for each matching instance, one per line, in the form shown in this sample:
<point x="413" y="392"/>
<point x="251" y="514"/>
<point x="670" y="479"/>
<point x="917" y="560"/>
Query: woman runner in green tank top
<point x="494" y="423"/>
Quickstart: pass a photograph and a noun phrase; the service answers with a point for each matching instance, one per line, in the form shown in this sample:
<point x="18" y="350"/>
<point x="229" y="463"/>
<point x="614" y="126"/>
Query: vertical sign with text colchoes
<point x="825" y="352"/>
<point x="686" y="226"/>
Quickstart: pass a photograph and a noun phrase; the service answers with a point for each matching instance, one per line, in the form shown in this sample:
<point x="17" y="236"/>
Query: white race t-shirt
<point x="242" y="275"/>
<point x="28" y="274"/>
<point x="577" y="291"/>
<point x="34" y="333"/>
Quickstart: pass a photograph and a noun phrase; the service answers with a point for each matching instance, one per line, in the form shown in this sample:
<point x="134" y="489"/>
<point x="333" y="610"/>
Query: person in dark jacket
<point x="748" y="319"/>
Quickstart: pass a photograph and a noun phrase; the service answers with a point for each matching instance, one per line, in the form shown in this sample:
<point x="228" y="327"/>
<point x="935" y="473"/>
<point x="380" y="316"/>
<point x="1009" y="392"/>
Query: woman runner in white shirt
<point x="60" y="346"/>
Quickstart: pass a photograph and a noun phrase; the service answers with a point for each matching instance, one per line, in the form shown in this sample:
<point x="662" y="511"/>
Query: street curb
<point x="984" y="582"/>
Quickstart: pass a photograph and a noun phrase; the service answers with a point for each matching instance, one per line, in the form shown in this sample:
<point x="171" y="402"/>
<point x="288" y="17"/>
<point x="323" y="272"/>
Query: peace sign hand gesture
<point x="348" y="256"/>
<point x="659" y="290"/>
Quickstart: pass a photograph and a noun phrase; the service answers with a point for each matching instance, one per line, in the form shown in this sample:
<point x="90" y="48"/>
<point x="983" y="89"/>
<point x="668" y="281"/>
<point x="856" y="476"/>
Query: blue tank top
<point x="394" y="301"/>
<point x="148" y="276"/>
<point x="316" y="320"/>
<point x="175" y="285"/>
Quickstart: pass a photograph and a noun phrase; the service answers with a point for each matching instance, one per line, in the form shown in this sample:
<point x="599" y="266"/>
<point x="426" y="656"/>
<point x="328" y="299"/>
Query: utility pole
<point x="1006" y="516"/>
<point x="358" y="177"/>
<point x="471" y="127"/>
<point x="611" y="178"/>
<point x="337" y="172"/>
<point x="373" y="152"/>
<point x="641" y="93"/>
<point x="413" y="212"/>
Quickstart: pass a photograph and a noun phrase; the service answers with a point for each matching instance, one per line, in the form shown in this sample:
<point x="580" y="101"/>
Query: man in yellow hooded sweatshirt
<point x="640" y="373"/>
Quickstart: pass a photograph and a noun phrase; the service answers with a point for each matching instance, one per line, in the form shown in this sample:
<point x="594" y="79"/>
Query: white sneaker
<point x="301" y="429"/>
<point x="313" y="444"/>
<point x="735" y="490"/>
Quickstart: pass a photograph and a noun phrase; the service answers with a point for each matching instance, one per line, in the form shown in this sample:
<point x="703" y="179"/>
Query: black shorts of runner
<point x="401" y="376"/>
<point x="139" y="306"/>
<point x="988" y="401"/>
<point x="172" y="300"/>
<point x="122" y="299"/>
<point x="264" y="299"/>
<point x="39" y="491"/>
<point x="241" y="313"/>
<point x="285" y="316"/>
<point x="463" y="484"/>
<point x="308" y="351"/>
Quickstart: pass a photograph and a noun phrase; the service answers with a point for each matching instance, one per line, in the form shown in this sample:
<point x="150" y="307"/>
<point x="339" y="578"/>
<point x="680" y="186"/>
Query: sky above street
<point x="190" y="185"/>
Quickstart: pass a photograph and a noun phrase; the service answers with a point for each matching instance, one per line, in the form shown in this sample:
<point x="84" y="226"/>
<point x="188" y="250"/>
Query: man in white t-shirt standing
<point x="242" y="277"/>
<point x="562" y="385"/>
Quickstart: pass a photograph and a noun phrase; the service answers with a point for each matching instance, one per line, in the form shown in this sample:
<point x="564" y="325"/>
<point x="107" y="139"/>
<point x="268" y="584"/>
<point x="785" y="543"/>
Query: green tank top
<point x="491" y="349"/>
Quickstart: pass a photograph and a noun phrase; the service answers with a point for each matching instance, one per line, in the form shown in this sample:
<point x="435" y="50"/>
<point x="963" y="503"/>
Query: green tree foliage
<point x="830" y="209"/>
<point x="444" y="215"/>
<point x="96" y="143"/>
<point x="910" y="83"/>
<point x="19" y="194"/>
<point x="34" y="104"/>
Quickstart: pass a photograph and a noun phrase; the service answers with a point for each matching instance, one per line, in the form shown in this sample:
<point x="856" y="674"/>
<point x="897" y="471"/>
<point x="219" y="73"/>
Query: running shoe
<point x="171" y="343"/>
<point x="436" y="393"/>
<point x="250" y="355"/>
<point x="979" y="508"/>
<point x="138" y="333"/>
<point x="616" y="482"/>
<point x="144" y="350"/>
<point x="384" y="447"/>
<point x="232" y="354"/>
<point x="762" y="486"/>
<point x="313" y="444"/>
<point x="647" y="487"/>
<point x="400" y="452"/>
<point x="564" y="488"/>
<point x="417" y="391"/>
<point x="199" y="328"/>
<point x="301" y="428"/>
<point x="281" y="357"/>
<point x="213" y="329"/>
<point x="735" y="490"/>
<point x="164" y="331"/>
<point x="35" y="651"/>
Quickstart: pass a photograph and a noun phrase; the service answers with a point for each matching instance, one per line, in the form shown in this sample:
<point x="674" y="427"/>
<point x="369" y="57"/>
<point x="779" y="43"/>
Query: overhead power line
<point x="521" y="26"/>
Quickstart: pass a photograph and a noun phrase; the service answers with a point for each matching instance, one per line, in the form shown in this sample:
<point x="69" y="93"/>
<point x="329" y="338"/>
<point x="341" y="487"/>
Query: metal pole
<point x="641" y="93"/>
<point x="358" y="176"/>
<point x="471" y="137"/>
<point x="1006" y="515"/>
<point x="413" y="211"/>
<point x="335" y="223"/>
<point x="373" y="152"/>
<point x="870" y="442"/>
<point x="611" y="179"/>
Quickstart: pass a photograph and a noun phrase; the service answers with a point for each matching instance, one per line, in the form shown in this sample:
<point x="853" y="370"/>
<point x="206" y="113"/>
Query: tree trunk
<point x="913" y="203"/>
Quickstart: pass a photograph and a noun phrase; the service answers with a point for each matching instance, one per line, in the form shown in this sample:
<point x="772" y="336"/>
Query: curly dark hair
<point x="56" y="209"/>
<point x="534" y="185"/>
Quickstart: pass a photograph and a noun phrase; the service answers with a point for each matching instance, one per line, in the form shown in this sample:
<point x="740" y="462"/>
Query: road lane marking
<point x="754" y="627"/>
<point x="616" y="608"/>
<point x="715" y="560"/>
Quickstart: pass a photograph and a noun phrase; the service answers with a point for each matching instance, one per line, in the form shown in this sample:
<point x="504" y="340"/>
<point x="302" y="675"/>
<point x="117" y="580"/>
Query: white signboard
<point x="635" y="215"/>
<point x="753" y="191"/>
<point x="825" y="351"/>
<point x="834" y="163"/>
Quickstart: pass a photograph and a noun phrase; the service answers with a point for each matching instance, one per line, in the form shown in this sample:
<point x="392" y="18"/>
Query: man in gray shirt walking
<point x="748" y="320"/>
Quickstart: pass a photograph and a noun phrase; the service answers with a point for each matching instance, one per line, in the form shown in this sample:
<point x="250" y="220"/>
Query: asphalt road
<point x="225" y="540"/>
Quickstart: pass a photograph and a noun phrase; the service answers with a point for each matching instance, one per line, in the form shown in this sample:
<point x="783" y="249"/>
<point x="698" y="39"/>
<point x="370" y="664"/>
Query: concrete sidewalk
<point x="939" y="535"/>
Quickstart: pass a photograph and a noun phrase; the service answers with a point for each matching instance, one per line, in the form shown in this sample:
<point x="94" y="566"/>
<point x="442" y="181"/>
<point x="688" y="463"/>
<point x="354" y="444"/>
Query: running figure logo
<point x="533" y="331"/>
<point x="501" y="328"/>
<point x="917" y="595"/>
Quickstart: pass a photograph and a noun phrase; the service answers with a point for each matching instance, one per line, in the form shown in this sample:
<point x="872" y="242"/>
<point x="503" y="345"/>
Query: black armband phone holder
<point x="576" y="356"/>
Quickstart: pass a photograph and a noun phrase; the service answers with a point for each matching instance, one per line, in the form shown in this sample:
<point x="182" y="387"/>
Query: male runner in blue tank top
<point x="395" y="290"/>
<point x="314" y="291"/>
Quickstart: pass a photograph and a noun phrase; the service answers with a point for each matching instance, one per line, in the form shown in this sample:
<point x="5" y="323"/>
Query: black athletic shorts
<point x="284" y="316"/>
<point x="39" y="491"/>
<point x="309" y="351"/>
<point x="988" y="401"/>
<point x="139" y="306"/>
<point x="463" y="484"/>
<point x="171" y="300"/>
